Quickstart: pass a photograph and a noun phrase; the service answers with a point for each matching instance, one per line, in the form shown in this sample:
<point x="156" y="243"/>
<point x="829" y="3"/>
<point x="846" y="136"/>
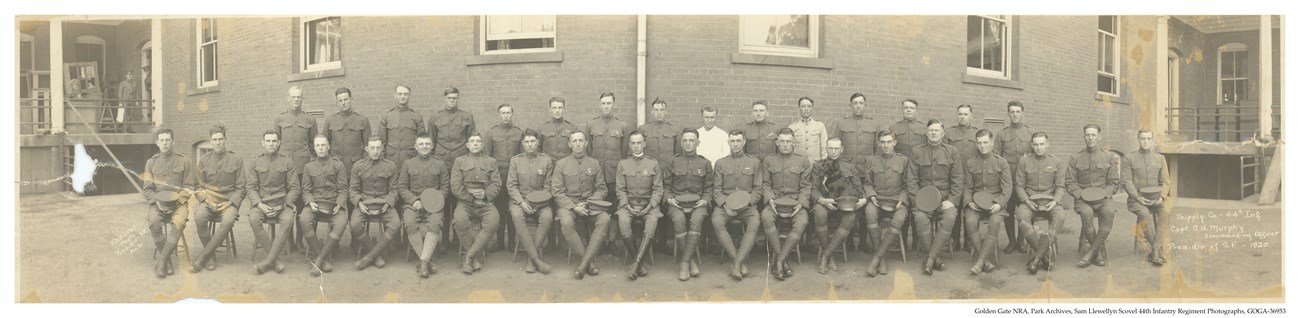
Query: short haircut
<point x="450" y="90"/>
<point x="801" y="99"/>
<point x="1015" y="103"/>
<point x="636" y="133"/>
<point x="531" y="132"/>
<point x="736" y="132"/>
<point x="759" y="102"/>
<point x="828" y="140"/>
<point x="1094" y="126"/>
<point x="966" y="106"/>
<point x="611" y="96"/>
<point x="1039" y="134"/>
<point x="934" y="121"/>
<point x="884" y="133"/>
<point x="319" y="136"/>
<point x="1147" y="131"/>
<point x="424" y="135"/>
<point x="584" y="135"/>
<point x="375" y="137"/>
<point x="690" y="131"/>
<point x="342" y="90"/>
<point x="659" y="102"/>
<point x="298" y="88"/>
<point x="269" y="132"/>
<point x="708" y="109"/>
<point x="911" y="100"/>
<point x="785" y="131"/>
<point x="504" y="106"/>
<point x="983" y="133"/>
<point x="856" y="95"/>
<point x="218" y="128"/>
<point x="163" y="131"/>
<point x="556" y="99"/>
<point x="408" y="88"/>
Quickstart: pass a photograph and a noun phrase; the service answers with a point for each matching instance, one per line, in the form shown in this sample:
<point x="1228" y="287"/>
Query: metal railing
<point x="108" y="115"/>
<point x="1221" y="123"/>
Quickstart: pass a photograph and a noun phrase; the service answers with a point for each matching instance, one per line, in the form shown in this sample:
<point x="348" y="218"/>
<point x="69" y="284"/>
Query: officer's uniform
<point x="608" y="136"/>
<point x="268" y="176"/>
<point x="573" y="182"/>
<point x="832" y="179"/>
<point x="962" y="137"/>
<point x="373" y="179"/>
<point x="347" y="133"/>
<point x="555" y="138"/>
<point x="450" y="130"/>
<point x="661" y="139"/>
<point x="167" y="172"/>
<point x="936" y="165"/>
<point x="1039" y="175"/>
<point x="1148" y="168"/>
<point x="296" y="130"/>
<point x="475" y="220"/>
<point x="1012" y="143"/>
<point x="417" y="174"/>
<point x="1094" y="168"/>
<point x="528" y="173"/>
<point x="809" y="139"/>
<point x="910" y="134"/>
<point x="788" y="176"/>
<point x="638" y="182"/>
<point x="760" y="138"/>
<point x="503" y="142"/>
<point x="858" y="136"/>
<point x="737" y="173"/>
<point x="887" y="175"/>
<point x="988" y="173"/>
<point x="688" y="173"/>
<point x="324" y="179"/>
<point x="398" y="127"/>
<point x="221" y="180"/>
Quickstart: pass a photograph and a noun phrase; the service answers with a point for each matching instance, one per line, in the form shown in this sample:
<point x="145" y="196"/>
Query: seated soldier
<point x="787" y="188"/>
<point x="373" y="189"/>
<point x="640" y="189"/>
<point x="221" y="180"/>
<point x="475" y="181"/>
<point x="271" y="195"/>
<point x="325" y="193"/>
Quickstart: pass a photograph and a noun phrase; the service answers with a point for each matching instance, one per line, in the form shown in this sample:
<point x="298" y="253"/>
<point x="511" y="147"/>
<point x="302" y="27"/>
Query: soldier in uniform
<point x="347" y="130"/>
<point x="221" y="191"/>
<point x="608" y="143"/>
<point x="1148" y="169"/>
<point x="555" y="132"/>
<point x="857" y="132"/>
<point x="1039" y="173"/>
<point x="398" y="127"/>
<point x="1012" y="143"/>
<point x="688" y="173"/>
<point x="737" y="172"/>
<point x="450" y="128"/>
<point x="297" y="129"/>
<point x="660" y="135"/>
<point x="833" y="178"/>
<point x="575" y="180"/>
<point x="423" y="226"/>
<point x="167" y="178"/>
<point x="989" y="173"/>
<point x="788" y="175"/>
<point x="639" y="188"/>
<point x="886" y="174"/>
<point x="1093" y="167"/>
<point x="962" y="135"/>
<point x="502" y="143"/>
<point x="325" y="191"/>
<point x="527" y="174"/>
<point x="938" y="165"/>
<point x="809" y="134"/>
<point x="372" y="186"/>
<point x="761" y="133"/>
<point x="910" y="131"/>
<point x="271" y="192"/>
<point x="475" y="181"/>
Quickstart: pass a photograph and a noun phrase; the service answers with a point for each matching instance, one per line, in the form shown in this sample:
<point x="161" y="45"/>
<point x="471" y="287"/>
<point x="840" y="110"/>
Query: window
<point x="1233" y="85"/>
<point x="788" y="35"/>
<point x="1108" y="54"/>
<point x="206" y="35"/>
<point x="987" y="44"/>
<point x="517" y="34"/>
<point x="320" y="44"/>
<point x="26" y="65"/>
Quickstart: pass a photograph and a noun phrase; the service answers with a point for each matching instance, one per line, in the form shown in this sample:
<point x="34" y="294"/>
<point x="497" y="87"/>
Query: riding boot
<point x="941" y="241"/>
<point x="1039" y="243"/>
<point x="480" y="241"/>
<point x="318" y="265"/>
<point x="629" y="243"/>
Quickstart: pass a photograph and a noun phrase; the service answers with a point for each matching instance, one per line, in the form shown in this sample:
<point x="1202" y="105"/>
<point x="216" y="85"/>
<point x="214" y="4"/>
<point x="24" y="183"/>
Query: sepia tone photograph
<point x="661" y="158"/>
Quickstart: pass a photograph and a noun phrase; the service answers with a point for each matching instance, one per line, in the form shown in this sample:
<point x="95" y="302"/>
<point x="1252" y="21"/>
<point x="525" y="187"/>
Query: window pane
<point x="1107" y="23"/>
<point x="973" y="35"/>
<point x="1107" y="84"/>
<point x="993" y="32"/>
<point x="1226" y="63"/>
<point x="323" y="41"/>
<point x="1243" y="91"/>
<point x="776" y="30"/>
<point x="209" y="62"/>
<point x="25" y="51"/>
<point x="1242" y="64"/>
<point x="504" y="25"/>
<point x="1108" y="51"/>
<point x="209" y="30"/>
<point x="538" y="23"/>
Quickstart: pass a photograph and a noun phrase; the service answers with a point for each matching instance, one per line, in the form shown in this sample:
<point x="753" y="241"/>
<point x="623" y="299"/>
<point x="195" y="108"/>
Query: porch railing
<point x="1219" y="123"/>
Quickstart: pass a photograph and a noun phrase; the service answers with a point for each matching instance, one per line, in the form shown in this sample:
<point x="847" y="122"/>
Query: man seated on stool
<point x="325" y="191"/>
<point x="639" y="189"/>
<point x="787" y="187"/>
<point x="834" y="178"/>
<point x="475" y="181"/>
<point x="373" y="189"/>
<point x="271" y="191"/>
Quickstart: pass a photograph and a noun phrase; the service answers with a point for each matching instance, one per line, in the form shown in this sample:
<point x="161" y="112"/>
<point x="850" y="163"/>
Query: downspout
<point x="640" y="70"/>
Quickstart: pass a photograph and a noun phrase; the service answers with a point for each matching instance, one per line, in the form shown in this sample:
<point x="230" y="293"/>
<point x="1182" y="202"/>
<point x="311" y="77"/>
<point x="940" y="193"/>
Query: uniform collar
<point x="374" y="161"/>
<point x="294" y="111"/>
<point x="402" y="108"/>
<point x="1145" y="152"/>
<point x="507" y="125"/>
<point x="808" y="120"/>
<point x="424" y="157"/>
<point x="888" y="156"/>
<point x="1036" y="156"/>
<point x="530" y="155"/>
<point x="607" y="117"/>
<point x="558" y="120"/>
<point x="1017" y="125"/>
<point x="638" y="157"/>
<point x="323" y="159"/>
<point x="1092" y="150"/>
<point x="986" y="155"/>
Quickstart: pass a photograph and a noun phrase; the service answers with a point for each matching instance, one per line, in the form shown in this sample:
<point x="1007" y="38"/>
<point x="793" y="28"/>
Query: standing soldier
<point x="787" y="186"/>
<point x="527" y="184"/>
<point x="450" y="128"/>
<point x="737" y="173"/>
<point x="660" y="135"/>
<point x="423" y="220"/>
<point x="372" y="186"/>
<point x="857" y="132"/>
<point x="221" y="191"/>
<point x="936" y="165"/>
<point x="576" y="180"/>
<point x="502" y="143"/>
<point x="1012" y="143"/>
<point x="347" y="130"/>
<point x="325" y="191"/>
<point x="271" y="192"/>
<point x="834" y="181"/>
<point x="1043" y="175"/>
<point x="297" y="129"/>
<point x="1147" y="192"/>
<point x="1092" y="170"/>
<point x="761" y="132"/>
<point x="640" y="189"/>
<point x="809" y="134"/>
<point x="608" y="141"/>
<point x="886" y="173"/>
<point x="398" y="127"/>
<point x="962" y="135"/>
<point x="910" y="131"/>
<point x="685" y="175"/>
<point x="167" y="178"/>
<point x="989" y="174"/>
<point x="555" y="132"/>
<point x="475" y="181"/>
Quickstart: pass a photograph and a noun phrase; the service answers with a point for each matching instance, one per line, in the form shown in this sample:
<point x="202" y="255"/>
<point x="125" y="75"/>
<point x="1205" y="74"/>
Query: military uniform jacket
<point x="989" y="173"/>
<point x="909" y="133"/>
<point x="738" y="173"/>
<point x="1012" y="143"/>
<point x="325" y="179"/>
<point x="271" y="174"/>
<point x="857" y="134"/>
<point x="809" y="139"/>
<point x="1148" y="169"/>
<point x="347" y="133"/>
<point x="398" y="127"/>
<point x="222" y="173"/>
<point x="475" y="168"/>
<point x="887" y="176"/>
<point x="788" y="176"/>
<point x="608" y="136"/>
<point x="836" y="178"/>
<point x="450" y="129"/>
<point x="1094" y="168"/>
<point x="962" y="137"/>
<point x="296" y="130"/>
<point x="760" y="138"/>
<point x="661" y="140"/>
<point x="1035" y="175"/>
<point x="688" y="173"/>
<point x="503" y="142"/>
<point x="166" y="172"/>
<point x="940" y="166"/>
<point x="372" y="179"/>
<point x="528" y="174"/>
<point x="420" y="173"/>
<point x="576" y="180"/>
<point x="555" y="137"/>
<point x="639" y="177"/>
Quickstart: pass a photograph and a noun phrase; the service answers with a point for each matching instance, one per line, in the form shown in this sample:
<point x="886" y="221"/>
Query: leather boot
<point x="873" y="266"/>
<point x="318" y="265"/>
<point x="586" y="265"/>
<point x="210" y="247"/>
<point x="472" y="254"/>
<point x="629" y="243"/>
<point x="742" y="253"/>
<point x="941" y="241"/>
<point x="1040" y="243"/>
<point x="273" y="256"/>
<point x="530" y="247"/>
<point x="786" y="248"/>
<point x="163" y="268"/>
<point x="986" y="244"/>
<point x="1100" y="260"/>
<point x="692" y="254"/>
<point x="375" y="250"/>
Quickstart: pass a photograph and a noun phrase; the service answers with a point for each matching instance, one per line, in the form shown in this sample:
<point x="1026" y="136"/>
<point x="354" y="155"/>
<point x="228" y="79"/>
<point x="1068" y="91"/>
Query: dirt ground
<point x="97" y="250"/>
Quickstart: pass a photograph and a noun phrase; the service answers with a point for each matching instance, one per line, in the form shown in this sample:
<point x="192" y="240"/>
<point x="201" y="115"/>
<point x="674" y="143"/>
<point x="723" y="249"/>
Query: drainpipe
<point x="56" y="76"/>
<point x="640" y="70"/>
<point x="1266" y="78"/>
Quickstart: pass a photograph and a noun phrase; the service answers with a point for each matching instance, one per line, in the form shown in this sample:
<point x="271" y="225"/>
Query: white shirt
<point x="713" y="144"/>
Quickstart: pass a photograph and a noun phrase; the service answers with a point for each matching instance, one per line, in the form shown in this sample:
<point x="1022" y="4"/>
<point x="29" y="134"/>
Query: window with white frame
<point x="1108" y="54"/>
<point x="206" y="40"/>
<point x="319" y="40"/>
<point x="1233" y="84"/>
<point x="788" y="35"/>
<point x="987" y="45"/>
<point x="516" y="34"/>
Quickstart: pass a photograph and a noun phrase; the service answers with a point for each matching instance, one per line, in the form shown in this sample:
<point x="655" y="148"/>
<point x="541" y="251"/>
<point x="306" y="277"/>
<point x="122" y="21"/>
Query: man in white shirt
<point x="809" y="134"/>
<point x="713" y="139"/>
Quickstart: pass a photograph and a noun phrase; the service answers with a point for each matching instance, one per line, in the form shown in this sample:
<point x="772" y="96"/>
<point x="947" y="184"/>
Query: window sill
<point x="310" y="75"/>
<point x="204" y="90"/>
<point x="515" y="58"/>
<point x="807" y="62"/>
<point x="1115" y="99"/>
<point x="989" y="81"/>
